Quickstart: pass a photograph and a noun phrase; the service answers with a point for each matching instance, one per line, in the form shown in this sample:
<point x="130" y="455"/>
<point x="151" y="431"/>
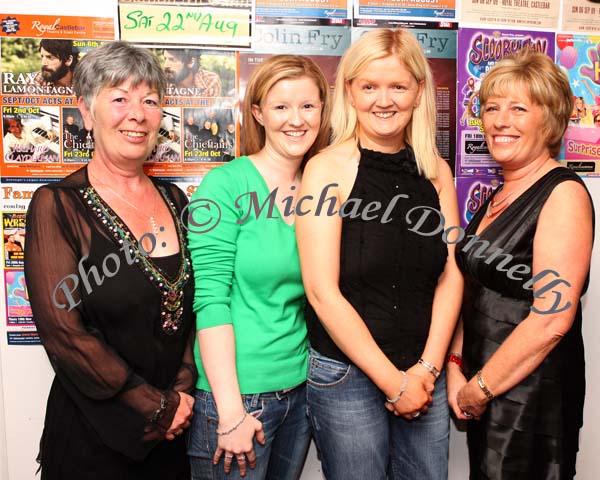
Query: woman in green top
<point x="252" y="349"/>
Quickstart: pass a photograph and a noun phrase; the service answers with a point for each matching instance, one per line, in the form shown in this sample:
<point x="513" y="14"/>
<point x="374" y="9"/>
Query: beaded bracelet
<point x="454" y="357"/>
<point x="160" y="411"/>
<point x="239" y="422"/>
<point x="430" y="368"/>
<point x="483" y="386"/>
<point x="402" y="389"/>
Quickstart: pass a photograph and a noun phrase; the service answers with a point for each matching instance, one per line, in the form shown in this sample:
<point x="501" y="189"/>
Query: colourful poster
<point x="439" y="45"/>
<point x="49" y="26"/>
<point x="18" y="309"/>
<point x="43" y="136"/>
<point x="581" y="16"/>
<point x="472" y="193"/>
<point x="442" y="10"/>
<point x="13" y="235"/>
<point x="512" y="13"/>
<point x="579" y="56"/>
<point x="331" y="9"/>
<point x="478" y="51"/>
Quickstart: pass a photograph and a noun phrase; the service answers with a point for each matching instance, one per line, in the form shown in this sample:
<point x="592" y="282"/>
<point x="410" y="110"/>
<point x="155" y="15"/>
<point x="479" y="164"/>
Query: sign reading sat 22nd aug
<point x="197" y="25"/>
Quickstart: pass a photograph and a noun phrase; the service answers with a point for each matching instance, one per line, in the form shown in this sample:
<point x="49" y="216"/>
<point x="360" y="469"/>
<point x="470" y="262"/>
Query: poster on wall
<point x="13" y="234"/>
<point x="438" y="41"/>
<point x="333" y="9"/>
<point x="478" y="51"/>
<point x="200" y="113"/>
<point x="581" y="16"/>
<point x="42" y="132"/>
<point x="472" y="193"/>
<point x="227" y="25"/>
<point x="512" y="13"/>
<point x="579" y="56"/>
<point x="324" y="41"/>
<point x="394" y="9"/>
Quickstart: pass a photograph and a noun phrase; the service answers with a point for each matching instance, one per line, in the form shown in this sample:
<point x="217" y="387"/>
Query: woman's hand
<point x="455" y="380"/>
<point x="417" y="396"/>
<point x="472" y="400"/>
<point x="239" y="443"/>
<point x="182" y="417"/>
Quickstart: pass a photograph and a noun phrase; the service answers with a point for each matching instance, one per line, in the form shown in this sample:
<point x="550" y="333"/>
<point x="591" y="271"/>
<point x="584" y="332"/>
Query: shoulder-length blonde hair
<point x="381" y="43"/>
<point x="264" y="77"/>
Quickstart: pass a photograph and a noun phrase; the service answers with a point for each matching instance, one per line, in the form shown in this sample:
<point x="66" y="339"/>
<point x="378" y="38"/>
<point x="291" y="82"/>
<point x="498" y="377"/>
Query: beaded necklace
<point x="171" y="307"/>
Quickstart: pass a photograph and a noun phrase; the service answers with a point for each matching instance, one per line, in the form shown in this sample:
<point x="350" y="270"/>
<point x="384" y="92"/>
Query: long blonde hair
<point x="381" y="43"/>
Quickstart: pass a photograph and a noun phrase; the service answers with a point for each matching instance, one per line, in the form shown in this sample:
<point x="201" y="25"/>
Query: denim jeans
<point x="358" y="438"/>
<point x="286" y="428"/>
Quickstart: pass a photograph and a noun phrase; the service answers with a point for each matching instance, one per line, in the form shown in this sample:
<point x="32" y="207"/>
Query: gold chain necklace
<point x="492" y="204"/>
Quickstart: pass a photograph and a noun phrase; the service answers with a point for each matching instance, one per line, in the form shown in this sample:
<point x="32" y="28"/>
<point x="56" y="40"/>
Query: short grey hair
<point x="113" y="64"/>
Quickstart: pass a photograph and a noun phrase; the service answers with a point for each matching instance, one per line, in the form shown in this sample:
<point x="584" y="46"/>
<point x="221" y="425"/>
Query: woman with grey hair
<point x="108" y="275"/>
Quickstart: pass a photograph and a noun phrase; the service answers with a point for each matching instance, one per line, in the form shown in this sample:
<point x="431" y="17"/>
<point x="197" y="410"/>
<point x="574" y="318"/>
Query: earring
<point x="89" y="141"/>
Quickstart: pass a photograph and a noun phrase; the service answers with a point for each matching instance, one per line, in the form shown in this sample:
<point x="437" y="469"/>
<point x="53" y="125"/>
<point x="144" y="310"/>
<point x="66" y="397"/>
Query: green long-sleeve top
<point x="247" y="274"/>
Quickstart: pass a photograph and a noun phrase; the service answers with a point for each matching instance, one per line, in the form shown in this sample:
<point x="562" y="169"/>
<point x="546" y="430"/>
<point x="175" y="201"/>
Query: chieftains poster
<point x="579" y="57"/>
<point x="200" y="113"/>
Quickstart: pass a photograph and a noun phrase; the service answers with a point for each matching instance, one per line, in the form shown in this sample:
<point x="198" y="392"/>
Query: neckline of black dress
<point x="400" y="161"/>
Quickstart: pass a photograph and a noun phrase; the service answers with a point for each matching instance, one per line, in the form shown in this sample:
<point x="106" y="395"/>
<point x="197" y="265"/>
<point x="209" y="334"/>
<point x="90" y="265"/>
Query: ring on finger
<point x="467" y="414"/>
<point x="416" y="415"/>
<point x="229" y="455"/>
<point x="241" y="457"/>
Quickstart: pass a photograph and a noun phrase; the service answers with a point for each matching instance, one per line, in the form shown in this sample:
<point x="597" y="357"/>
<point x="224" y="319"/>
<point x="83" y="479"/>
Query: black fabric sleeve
<point x="118" y="404"/>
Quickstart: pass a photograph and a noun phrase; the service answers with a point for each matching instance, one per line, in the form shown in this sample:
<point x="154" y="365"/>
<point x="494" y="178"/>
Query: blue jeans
<point x="358" y="438"/>
<point x="286" y="428"/>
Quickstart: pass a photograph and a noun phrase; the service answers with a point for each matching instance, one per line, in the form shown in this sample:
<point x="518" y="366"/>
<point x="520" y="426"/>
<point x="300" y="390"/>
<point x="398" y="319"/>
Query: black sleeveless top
<point x="532" y="430"/>
<point x="387" y="272"/>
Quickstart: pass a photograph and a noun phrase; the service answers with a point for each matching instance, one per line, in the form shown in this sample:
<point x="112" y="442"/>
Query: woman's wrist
<point x="430" y="367"/>
<point x="454" y="358"/>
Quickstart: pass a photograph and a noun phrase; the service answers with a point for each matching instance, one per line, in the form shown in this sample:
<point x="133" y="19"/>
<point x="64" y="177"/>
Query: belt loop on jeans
<point x="281" y="394"/>
<point x="254" y="400"/>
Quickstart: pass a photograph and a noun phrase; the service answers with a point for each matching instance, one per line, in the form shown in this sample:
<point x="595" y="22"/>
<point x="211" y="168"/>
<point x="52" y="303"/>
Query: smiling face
<point x="291" y="116"/>
<point x="384" y="96"/>
<point x="125" y="121"/>
<point x="514" y="129"/>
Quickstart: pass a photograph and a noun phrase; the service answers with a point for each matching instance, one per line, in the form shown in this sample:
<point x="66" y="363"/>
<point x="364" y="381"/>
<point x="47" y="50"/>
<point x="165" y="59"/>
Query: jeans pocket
<point x="326" y="372"/>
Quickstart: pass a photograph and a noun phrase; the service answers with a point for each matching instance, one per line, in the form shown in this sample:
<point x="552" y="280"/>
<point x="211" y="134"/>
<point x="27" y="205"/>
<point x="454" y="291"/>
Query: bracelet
<point x="160" y="411"/>
<point x="239" y="422"/>
<point x="483" y="386"/>
<point x="402" y="389"/>
<point x="430" y="368"/>
<point x="454" y="357"/>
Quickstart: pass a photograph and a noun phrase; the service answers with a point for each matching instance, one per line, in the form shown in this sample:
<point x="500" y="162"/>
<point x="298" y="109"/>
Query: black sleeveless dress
<point x="387" y="272"/>
<point x="532" y="431"/>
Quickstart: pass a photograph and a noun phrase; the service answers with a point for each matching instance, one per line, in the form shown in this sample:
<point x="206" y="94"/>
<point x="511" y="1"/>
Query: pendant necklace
<point x="151" y="217"/>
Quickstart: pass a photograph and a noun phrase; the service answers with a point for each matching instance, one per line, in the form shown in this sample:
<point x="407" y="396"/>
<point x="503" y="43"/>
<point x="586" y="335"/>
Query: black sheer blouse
<point x="111" y="353"/>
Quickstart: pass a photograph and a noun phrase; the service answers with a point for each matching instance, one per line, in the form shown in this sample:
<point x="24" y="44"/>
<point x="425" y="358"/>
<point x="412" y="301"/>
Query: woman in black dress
<point x="108" y="275"/>
<point x="384" y="300"/>
<point x="526" y="258"/>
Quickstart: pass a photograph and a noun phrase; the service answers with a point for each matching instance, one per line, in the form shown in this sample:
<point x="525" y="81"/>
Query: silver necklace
<point x="151" y="217"/>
